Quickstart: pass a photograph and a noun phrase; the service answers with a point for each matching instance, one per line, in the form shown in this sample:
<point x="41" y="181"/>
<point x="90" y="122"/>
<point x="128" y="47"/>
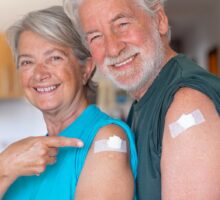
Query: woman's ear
<point x="89" y="68"/>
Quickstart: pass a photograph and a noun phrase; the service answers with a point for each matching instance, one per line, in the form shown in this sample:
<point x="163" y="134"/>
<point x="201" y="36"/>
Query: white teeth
<point x="124" y="63"/>
<point x="47" y="89"/>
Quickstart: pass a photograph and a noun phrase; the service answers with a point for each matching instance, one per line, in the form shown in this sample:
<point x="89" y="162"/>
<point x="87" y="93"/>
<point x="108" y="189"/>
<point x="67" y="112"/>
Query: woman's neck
<point x="59" y="120"/>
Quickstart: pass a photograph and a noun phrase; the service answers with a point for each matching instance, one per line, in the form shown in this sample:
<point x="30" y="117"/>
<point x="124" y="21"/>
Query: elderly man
<point x="176" y="111"/>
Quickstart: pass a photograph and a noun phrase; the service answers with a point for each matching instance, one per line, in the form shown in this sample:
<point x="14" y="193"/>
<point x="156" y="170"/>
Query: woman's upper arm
<point x="106" y="175"/>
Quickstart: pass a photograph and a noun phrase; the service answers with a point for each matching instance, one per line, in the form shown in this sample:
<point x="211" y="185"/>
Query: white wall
<point x="11" y="10"/>
<point x="19" y="119"/>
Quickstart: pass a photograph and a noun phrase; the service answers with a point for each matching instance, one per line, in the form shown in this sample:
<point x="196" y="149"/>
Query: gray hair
<point x="53" y="24"/>
<point x="71" y="9"/>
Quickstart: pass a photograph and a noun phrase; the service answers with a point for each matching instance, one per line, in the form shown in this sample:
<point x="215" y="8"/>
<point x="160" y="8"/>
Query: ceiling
<point x="183" y="14"/>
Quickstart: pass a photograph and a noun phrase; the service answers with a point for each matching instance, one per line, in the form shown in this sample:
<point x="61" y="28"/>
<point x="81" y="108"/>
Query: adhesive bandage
<point x="186" y="121"/>
<point x="114" y="143"/>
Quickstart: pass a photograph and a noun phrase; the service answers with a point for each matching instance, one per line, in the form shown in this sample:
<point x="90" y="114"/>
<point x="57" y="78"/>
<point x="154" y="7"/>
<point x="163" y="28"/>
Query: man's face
<point x="124" y="41"/>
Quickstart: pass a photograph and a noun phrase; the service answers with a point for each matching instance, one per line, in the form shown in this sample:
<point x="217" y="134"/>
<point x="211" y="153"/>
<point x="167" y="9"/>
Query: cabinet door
<point x="9" y="85"/>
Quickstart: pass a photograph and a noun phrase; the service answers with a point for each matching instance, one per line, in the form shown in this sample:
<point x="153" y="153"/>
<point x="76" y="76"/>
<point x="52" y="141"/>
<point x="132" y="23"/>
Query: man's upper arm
<point x="191" y="160"/>
<point x="106" y="175"/>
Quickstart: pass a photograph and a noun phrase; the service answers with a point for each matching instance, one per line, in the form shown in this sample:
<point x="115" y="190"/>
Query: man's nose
<point x="113" y="45"/>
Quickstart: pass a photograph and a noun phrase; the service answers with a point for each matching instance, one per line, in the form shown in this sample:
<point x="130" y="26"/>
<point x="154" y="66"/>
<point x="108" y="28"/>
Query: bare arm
<point x="106" y="175"/>
<point x="5" y="181"/>
<point x="191" y="161"/>
<point x="29" y="156"/>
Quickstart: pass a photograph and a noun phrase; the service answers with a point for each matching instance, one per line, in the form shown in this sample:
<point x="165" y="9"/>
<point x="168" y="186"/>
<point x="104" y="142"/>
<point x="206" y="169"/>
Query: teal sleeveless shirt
<point x="59" y="181"/>
<point x="146" y="117"/>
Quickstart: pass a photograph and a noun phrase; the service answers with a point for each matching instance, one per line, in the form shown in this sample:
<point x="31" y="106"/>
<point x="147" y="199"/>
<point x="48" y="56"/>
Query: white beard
<point x="152" y="55"/>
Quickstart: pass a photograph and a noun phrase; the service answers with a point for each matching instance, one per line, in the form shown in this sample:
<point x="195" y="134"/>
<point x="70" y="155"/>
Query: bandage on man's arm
<point x="191" y="156"/>
<point x="107" y="173"/>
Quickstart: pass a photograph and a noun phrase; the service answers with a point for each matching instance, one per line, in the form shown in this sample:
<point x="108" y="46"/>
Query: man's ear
<point x="88" y="71"/>
<point x="161" y="20"/>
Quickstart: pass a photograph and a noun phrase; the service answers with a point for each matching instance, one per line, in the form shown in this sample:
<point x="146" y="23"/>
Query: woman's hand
<point x="31" y="155"/>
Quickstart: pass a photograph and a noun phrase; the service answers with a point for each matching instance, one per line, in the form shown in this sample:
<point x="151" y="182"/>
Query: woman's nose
<point x="41" y="72"/>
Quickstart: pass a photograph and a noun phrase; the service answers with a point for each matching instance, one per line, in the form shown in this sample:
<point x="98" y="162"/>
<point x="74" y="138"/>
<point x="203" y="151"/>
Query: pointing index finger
<point x="58" y="141"/>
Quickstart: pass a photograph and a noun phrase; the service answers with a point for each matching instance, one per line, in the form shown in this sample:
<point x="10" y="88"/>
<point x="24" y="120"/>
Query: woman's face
<point x="50" y="74"/>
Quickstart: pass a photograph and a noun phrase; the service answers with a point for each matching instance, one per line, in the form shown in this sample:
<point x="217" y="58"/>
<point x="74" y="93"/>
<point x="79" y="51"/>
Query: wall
<point x="11" y="10"/>
<point x="204" y="36"/>
<point x="19" y="119"/>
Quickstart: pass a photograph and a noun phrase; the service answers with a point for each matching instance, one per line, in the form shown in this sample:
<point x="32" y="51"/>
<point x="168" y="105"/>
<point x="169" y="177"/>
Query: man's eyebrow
<point x="91" y="32"/>
<point x="119" y="16"/>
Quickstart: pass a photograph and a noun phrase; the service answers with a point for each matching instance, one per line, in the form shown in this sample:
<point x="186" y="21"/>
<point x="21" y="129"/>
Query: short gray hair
<point x="71" y="9"/>
<point x="53" y="24"/>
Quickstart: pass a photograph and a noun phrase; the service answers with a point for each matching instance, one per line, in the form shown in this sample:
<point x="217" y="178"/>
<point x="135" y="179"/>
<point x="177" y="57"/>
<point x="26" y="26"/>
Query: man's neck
<point x="138" y="94"/>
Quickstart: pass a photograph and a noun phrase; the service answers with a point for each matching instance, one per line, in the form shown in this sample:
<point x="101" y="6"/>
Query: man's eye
<point x="94" y="38"/>
<point x="123" y="24"/>
<point x="55" y="58"/>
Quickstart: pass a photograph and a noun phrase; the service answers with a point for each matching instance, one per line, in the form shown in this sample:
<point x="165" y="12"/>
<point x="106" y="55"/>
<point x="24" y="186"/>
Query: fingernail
<point x="80" y="144"/>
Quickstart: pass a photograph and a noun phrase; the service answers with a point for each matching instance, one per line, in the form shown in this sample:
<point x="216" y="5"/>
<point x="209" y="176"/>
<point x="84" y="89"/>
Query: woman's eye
<point x="25" y="63"/>
<point x="54" y="60"/>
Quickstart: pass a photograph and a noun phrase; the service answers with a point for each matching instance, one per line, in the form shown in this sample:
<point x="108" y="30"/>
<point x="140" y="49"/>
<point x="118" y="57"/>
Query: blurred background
<point x="195" y="32"/>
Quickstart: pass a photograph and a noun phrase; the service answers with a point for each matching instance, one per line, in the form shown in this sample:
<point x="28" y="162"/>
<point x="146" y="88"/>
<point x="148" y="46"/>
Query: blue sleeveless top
<point x="59" y="181"/>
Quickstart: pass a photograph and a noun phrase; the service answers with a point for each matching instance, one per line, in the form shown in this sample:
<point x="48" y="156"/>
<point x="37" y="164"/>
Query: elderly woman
<point x="55" y="72"/>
